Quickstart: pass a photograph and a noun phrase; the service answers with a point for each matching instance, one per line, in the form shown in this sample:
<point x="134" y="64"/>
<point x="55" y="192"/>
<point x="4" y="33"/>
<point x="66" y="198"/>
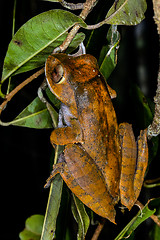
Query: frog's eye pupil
<point x="57" y="74"/>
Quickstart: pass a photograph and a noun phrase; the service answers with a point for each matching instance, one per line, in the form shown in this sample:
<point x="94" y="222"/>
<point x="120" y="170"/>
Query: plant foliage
<point x="28" y="50"/>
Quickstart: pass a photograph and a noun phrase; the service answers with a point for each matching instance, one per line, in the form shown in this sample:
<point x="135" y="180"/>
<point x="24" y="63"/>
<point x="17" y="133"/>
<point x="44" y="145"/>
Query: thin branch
<point x="154" y="128"/>
<point x="153" y="217"/>
<point x="87" y="8"/>
<point x="156" y="8"/>
<point x="71" y="6"/>
<point x="98" y="229"/>
<point x="95" y="26"/>
<point x="19" y="87"/>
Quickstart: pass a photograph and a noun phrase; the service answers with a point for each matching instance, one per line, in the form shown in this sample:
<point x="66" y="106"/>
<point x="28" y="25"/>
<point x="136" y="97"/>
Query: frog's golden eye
<point x="57" y="74"/>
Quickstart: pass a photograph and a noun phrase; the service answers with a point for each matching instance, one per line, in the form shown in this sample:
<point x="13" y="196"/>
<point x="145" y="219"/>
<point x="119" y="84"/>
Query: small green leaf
<point x="141" y="216"/>
<point x="37" y="38"/>
<point x="108" y="55"/>
<point x="52" y="210"/>
<point x="81" y="217"/>
<point x="33" y="228"/>
<point x="36" y="115"/>
<point x="126" y="12"/>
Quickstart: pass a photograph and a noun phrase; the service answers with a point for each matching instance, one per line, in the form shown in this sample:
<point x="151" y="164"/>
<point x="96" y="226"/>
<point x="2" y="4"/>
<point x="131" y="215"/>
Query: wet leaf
<point x="81" y="217"/>
<point x="33" y="228"/>
<point x="36" y="115"/>
<point x="126" y="12"/>
<point x="52" y="210"/>
<point x="141" y="216"/>
<point x="37" y="38"/>
<point x="108" y="55"/>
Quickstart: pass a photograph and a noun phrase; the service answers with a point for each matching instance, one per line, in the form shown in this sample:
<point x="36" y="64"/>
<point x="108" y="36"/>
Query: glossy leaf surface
<point x="37" y="38"/>
<point x="36" y="114"/>
<point x="108" y="54"/>
<point x="141" y="216"/>
<point x="126" y="12"/>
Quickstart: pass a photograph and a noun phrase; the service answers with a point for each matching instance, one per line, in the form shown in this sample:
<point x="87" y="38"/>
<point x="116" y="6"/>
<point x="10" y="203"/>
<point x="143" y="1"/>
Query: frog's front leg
<point x="69" y="129"/>
<point x="134" y="164"/>
<point x="66" y="135"/>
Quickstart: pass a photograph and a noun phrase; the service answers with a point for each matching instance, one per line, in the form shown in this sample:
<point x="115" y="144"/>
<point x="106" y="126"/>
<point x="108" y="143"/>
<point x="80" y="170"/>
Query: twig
<point x="19" y="87"/>
<point x="156" y="8"/>
<point x="154" y="128"/>
<point x="87" y="7"/>
<point x="71" y="6"/>
<point x="98" y="229"/>
<point x="153" y="217"/>
<point x="151" y="183"/>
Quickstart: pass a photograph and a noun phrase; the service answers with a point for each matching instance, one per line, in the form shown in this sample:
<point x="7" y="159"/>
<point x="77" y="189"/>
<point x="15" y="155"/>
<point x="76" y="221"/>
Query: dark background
<point x="25" y="153"/>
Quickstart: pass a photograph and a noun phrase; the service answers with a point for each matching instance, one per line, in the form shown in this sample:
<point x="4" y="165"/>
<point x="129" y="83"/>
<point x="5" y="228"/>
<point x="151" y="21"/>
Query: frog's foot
<point x="57" y="168"/>
<point x="134" y="164"/>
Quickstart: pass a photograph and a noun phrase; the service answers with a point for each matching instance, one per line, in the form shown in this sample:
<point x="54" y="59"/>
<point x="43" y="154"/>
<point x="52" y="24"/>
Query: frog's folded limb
<point x="66" y="135"/>
<point x="80" y="176"/>
<point x="142" y="162"/>
<point x="133" y="164"/>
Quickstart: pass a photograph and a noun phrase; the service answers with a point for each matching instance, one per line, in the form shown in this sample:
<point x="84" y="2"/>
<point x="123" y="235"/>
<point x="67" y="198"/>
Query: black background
<point x="25" y="153"/>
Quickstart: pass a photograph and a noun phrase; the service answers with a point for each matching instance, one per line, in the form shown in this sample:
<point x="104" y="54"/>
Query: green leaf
<point x="126" y="12"/>
<point x="36" y="114"/>
<point x="141" y="216"/>
<point x="155" y="233"/>
<point x="52" y="210"/>
<point x="81" y="217"/>
<point x="37" y="38"/>
<point x="108" y="55"/>
<point x="33" y="228"/>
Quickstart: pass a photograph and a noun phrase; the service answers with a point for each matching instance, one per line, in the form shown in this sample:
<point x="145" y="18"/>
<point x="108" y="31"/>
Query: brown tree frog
<point x="100" y="162"/>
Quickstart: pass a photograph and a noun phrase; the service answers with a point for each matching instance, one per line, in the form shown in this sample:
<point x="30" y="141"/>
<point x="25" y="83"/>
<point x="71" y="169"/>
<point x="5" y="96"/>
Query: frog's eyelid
<point x="61" y="80"/>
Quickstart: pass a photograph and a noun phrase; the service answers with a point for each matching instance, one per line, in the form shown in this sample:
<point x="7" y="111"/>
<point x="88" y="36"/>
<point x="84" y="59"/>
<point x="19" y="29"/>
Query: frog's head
<point x="57" y="74"/>
<point x="64" y="73"/>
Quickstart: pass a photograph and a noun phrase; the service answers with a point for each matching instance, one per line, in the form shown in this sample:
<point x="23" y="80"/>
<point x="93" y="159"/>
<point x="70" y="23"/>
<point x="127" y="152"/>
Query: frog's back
<point x="100" y="129"/>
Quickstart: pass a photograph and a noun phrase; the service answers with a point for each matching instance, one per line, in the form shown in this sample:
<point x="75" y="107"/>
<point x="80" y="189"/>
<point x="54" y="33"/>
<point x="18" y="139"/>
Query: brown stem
<point x="154" y="128"/>
<point x="87" y="7"/>
<point x="71" y="6"/>
<point x="69" y="38"/>
<point x="156" y="8"/>
<point x="153" y="217"/>
<point x="98" y="229"/>
<point x="19" y="87"/>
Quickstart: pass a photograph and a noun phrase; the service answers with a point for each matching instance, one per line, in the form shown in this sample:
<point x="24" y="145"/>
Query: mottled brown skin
<point x="98" y="161"/>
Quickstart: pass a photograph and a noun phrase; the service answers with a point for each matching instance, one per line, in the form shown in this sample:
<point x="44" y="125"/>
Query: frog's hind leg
<point x="142" y="162"/>
<point x="133" y="164"/>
